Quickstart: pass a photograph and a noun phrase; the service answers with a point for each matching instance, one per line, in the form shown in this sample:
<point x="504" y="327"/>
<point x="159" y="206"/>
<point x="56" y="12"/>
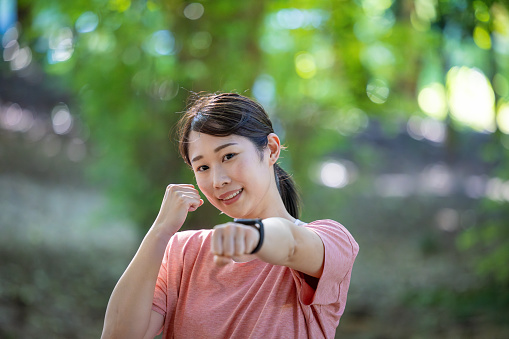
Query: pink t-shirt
<point x="254" y="299"/>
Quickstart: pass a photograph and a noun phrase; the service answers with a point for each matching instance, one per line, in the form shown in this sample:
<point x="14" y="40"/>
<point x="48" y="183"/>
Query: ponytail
<point x="288" y="191"/>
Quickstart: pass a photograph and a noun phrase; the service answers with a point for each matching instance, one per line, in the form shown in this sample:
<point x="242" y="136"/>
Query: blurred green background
<point x="395" y="114"/>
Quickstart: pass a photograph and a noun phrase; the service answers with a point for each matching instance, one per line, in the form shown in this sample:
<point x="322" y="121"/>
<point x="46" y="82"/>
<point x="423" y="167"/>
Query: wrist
<point x="255" y="223"/>
<point x="161" y="232"/>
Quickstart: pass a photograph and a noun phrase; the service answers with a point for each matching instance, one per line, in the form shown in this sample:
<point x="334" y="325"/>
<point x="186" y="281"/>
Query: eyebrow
<point x="217" y="149"/>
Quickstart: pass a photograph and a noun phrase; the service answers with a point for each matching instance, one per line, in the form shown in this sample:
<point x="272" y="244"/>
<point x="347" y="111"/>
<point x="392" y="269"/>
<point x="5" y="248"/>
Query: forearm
<point x="293" y="246"/>
<point x="129" y="308"/>
<point x="279" y="243"/>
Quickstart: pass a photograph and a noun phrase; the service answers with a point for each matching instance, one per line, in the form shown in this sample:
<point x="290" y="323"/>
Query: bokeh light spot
<point x="448" y="219"/>
<point x="87" y="22"/>
<point x="433" y="100"/>
<point x="264" y="90"/>
<point x="503" y="118"/>
<point x="376" y="7"/>
<point x="501" y="85"/>
<point x="51" y="145"/>
<point x="101" y="41"/>
<point x="429" y="129"/>
<point x="120" y="5"/>
<point x="61" y="119"/>
<point x="61" y="45"/>
<point x="481" y="11"/>
<point x="290" y="18"/>
<point x="194" y="11"/>
<point x="471" y="98"/>
<point x="377" y="91"/>
<point x="22" y="60"/>
<point x="76" y="150"/>
<point x="160" y="43"/>
<point x="305" y="65"/>
<point x="334" y="174"/>
<point x="201" y="40"/>
<point x="482" y="38"/>
<point x="11" y="50"/>
<point x="11" y="34"/>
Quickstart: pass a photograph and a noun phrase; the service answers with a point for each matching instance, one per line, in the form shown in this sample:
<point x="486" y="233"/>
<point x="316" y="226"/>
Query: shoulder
<point x="192" y="235"/>
<point x="188" y="240"/>
<point x="333" y="231"/>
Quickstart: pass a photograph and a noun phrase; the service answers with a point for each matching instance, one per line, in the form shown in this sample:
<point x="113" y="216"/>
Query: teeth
<point x="233" y="195"/>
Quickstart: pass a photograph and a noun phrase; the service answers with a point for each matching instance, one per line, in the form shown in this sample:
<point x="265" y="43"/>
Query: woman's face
<point x="231" y="174"/>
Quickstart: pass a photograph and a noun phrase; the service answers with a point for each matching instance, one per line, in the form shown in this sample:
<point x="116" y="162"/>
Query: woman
<point x="272" y="276"/>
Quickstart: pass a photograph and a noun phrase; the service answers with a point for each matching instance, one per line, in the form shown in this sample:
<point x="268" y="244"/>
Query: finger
<point x="217" y="245"/>
<point x="221" y="261"/>
<point x="252" y="239"/>
<point x="181" y="188"/>
<point x="240" y="241"/>
<point x="190" y="201"/>
<point x="194" y="207"/>
<point x="228" y="240"/>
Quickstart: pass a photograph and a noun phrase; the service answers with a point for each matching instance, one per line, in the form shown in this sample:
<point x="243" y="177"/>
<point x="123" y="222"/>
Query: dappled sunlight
<point x="503" y="118"/>
<point x="394" y="115"/>
<point x="432" y="100"/>
<point x="471" y="98"/>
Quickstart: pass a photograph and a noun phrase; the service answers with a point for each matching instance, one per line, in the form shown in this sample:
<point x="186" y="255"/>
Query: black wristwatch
<point x="256" y="223"/>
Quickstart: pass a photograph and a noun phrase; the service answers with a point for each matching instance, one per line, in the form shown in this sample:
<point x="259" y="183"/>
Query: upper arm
<point x="155" y="325"/>
<point x="309" y="253"/>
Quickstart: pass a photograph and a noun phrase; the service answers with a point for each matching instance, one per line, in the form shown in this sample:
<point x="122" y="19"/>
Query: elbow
<point x="292" y="250"/>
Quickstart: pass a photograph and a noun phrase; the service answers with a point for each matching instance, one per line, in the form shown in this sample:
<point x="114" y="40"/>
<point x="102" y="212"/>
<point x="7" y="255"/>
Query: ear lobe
<point x="274" y="146"/>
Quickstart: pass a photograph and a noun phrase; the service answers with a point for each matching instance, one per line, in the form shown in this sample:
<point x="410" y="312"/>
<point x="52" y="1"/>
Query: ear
<point x="274" y="147"/>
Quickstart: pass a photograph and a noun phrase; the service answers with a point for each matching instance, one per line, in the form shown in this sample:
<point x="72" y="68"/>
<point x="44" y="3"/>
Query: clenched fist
<point x="233" y="240"/>
<point x="177" y="202"/>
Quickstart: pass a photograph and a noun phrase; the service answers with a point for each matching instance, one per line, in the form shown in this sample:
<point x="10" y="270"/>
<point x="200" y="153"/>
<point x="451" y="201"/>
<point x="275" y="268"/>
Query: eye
<point x="202" y="168"/>
<point x="229" y="156"/>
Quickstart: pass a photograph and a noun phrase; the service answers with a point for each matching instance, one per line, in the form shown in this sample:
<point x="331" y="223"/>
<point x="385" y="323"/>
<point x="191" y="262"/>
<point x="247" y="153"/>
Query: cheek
<point x="202" y="185"/>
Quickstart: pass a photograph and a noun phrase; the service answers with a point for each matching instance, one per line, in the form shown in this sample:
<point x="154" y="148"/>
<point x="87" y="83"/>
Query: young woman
<point x="272" y="276"/>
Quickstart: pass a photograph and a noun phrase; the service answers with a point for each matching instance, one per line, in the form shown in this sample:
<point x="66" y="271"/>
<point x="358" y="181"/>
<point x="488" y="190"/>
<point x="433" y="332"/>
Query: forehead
<point x="201" y="143"/>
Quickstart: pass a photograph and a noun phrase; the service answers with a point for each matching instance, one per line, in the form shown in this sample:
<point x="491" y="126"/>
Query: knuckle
<point x="229" y="229"/>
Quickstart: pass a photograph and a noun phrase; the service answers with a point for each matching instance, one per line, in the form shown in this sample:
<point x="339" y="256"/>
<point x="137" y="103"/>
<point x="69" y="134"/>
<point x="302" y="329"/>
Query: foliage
<point x="328" y="72"/>
<point x="70" y="285"/>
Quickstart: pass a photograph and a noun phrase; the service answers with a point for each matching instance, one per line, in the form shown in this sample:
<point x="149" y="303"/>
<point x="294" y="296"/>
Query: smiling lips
<point x="232" y="197"/>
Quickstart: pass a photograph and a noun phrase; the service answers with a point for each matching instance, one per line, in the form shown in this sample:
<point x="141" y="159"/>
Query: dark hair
<point x="225" y="114"/>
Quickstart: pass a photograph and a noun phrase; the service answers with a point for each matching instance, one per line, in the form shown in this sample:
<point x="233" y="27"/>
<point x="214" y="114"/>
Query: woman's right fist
<point x="177" y="202"/>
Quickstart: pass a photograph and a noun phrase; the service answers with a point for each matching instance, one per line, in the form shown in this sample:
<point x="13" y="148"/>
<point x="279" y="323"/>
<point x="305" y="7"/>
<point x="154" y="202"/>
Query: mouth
<point x="232" y="197"/>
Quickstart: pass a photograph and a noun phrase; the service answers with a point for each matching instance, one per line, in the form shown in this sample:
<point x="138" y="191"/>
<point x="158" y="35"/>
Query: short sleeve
<point x="168" y="279"/>
<point x="340" y="252"/>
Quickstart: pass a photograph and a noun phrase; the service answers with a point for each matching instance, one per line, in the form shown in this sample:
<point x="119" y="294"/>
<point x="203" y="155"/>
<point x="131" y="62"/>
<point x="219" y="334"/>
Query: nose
<point x="220" y="178"/>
